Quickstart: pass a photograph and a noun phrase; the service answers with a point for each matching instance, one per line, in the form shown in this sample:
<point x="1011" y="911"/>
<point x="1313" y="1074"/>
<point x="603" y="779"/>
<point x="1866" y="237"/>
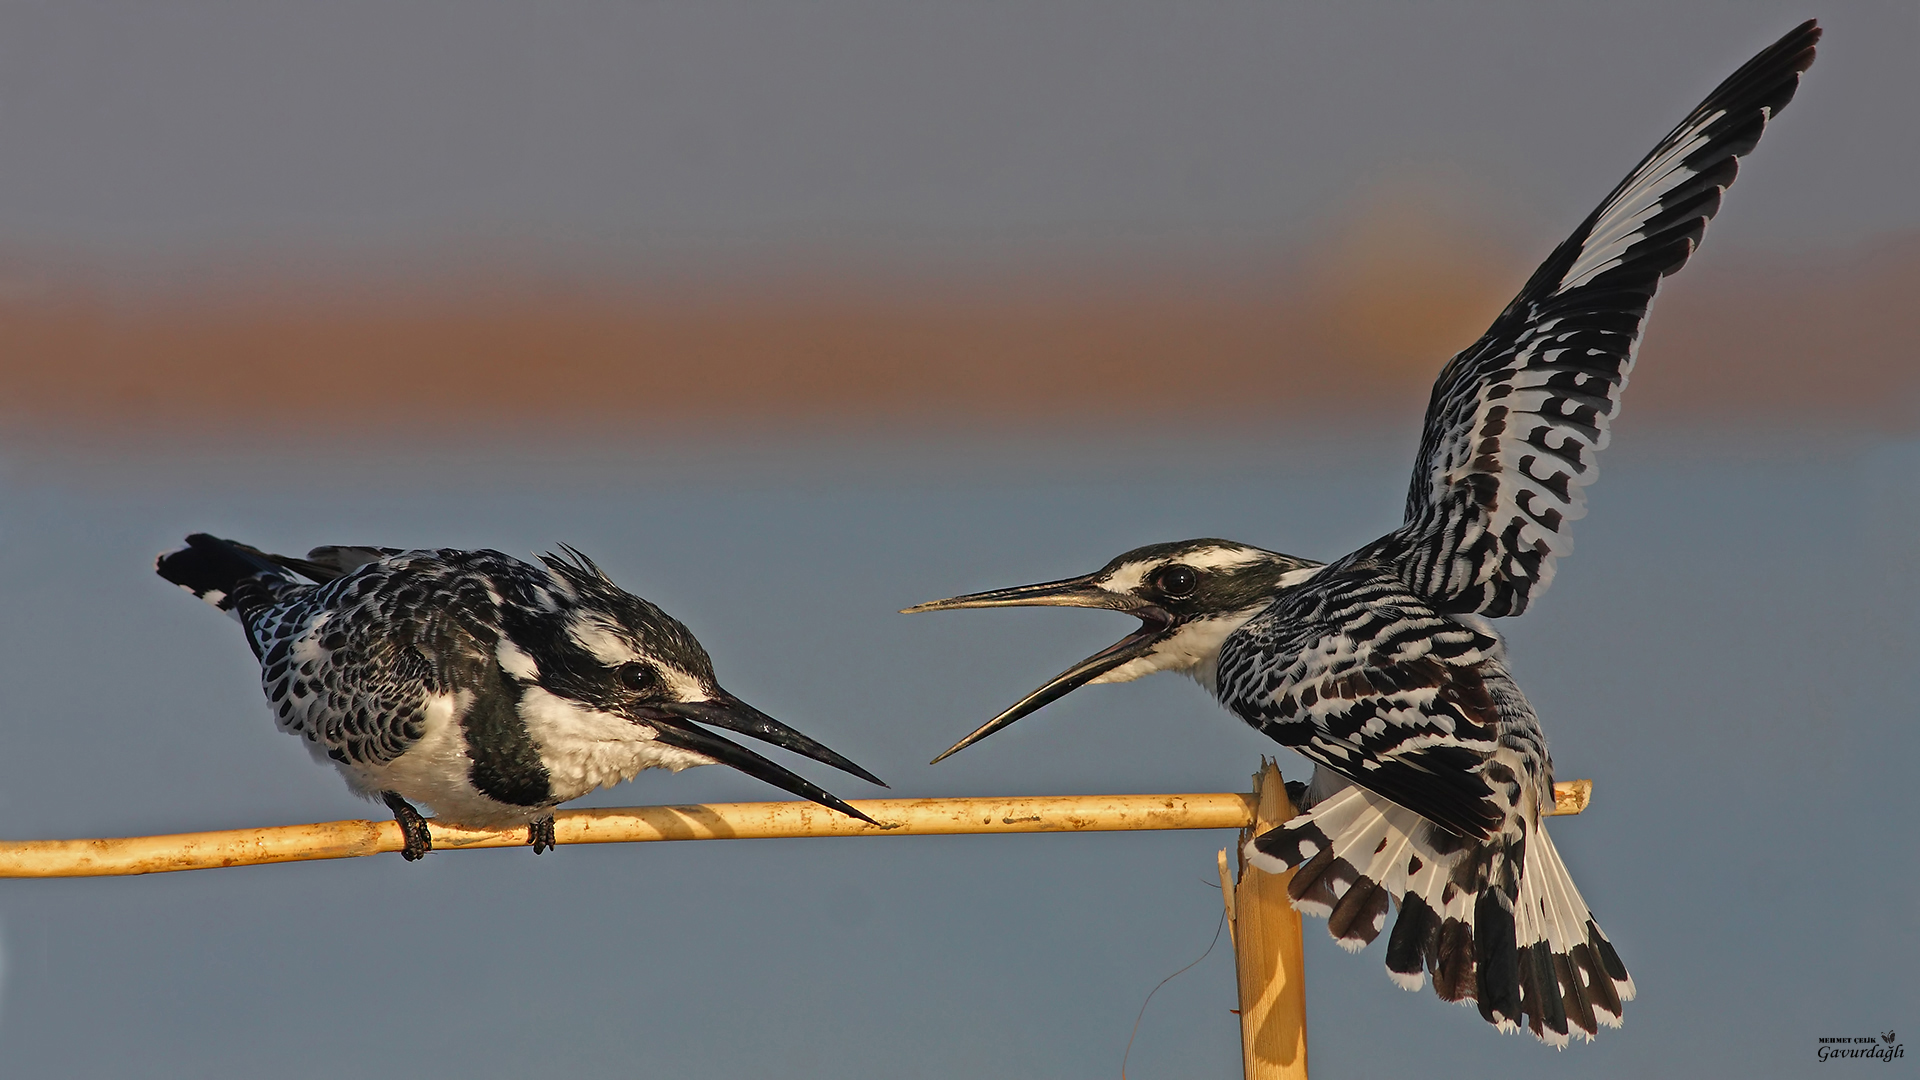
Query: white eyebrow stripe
<point x="1223" y="558"/>
<point x="1130" y="575"/>
<point x="606" y="646"/>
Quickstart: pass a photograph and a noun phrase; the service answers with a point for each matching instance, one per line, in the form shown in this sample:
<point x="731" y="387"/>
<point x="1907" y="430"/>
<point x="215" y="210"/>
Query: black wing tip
<point x="1749" y="98"/>
<point x="1740" y="108"/>
<point x="1770" y="79"/>
<point x="1792" y="53"/>
<point x="1799" y="43"/>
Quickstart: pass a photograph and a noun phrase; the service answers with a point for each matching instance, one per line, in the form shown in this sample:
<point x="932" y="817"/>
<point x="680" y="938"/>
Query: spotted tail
<point x="1496" y="922"/>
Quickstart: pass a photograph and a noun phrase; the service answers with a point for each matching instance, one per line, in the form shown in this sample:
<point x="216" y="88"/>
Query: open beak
<point x="674" y="722"/>
<point x="733" y="714"/>
<point x="1155" y="623"/>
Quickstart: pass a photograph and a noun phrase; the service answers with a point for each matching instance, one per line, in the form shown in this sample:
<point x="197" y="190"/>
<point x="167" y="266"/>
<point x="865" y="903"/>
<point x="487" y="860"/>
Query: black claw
<point x="413" y="827"/>
<point x="540" y="835"/>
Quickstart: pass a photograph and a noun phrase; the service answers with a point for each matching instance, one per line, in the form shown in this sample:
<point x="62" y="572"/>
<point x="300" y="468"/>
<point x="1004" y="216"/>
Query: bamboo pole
<point x="1267" y="954"/>
<point x="640" y="824"/>
<point x="716" y="821"/>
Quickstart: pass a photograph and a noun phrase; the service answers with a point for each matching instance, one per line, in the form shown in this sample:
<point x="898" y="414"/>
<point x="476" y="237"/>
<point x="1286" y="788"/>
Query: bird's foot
<point x="413" y="827"/>
<point x="540" y="834"/>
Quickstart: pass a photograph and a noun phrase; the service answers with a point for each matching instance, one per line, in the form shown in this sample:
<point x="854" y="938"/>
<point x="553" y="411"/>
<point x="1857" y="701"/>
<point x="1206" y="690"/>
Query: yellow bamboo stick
<point x="640" y="824"/>
<point x="1267" y="956"/>
<point x="716" y="821"/>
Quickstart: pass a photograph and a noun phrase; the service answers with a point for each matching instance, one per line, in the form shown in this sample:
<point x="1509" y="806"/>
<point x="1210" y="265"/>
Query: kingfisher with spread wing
<point x="1432" y="773"/>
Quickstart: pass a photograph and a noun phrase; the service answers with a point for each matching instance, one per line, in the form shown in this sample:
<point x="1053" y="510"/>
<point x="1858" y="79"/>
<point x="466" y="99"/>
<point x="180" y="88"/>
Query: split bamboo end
<point x="1267" y="953"/>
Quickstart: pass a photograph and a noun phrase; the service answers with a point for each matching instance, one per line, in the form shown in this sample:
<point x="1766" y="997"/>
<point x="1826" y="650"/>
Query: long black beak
<point x="735" y="715"/>
<point x="673" y="722"/>
<point x="1069" y="592"/>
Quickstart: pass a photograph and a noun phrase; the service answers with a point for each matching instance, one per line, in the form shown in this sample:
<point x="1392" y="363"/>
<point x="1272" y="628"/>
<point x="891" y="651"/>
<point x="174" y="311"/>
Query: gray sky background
<point x="162" y="137"/>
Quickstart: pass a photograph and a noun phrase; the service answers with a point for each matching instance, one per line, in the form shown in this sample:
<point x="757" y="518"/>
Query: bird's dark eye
<point x="638" y="677"/>
<point x="1176" y="582"/>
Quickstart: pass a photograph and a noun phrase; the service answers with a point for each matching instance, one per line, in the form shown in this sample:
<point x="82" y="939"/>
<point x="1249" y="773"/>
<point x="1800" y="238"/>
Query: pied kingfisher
<point x="489" y="689"/>
<point x="1431" y="773"/>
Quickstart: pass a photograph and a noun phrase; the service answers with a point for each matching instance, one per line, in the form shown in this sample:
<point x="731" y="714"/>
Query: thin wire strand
<point x="1156" y="988"/>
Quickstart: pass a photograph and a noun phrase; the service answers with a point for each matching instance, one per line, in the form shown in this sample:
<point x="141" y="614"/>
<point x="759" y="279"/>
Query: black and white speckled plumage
<point x="485" y="687"/>
<point x="1432" y="772"/>
<point x="1517" y="419"/>
<point x="1433" y="777"/>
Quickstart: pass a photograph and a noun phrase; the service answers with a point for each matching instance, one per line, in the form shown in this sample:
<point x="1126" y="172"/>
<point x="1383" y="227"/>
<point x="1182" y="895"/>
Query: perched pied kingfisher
<point x="487" y="688"/>
<point x="1431" y="770"/>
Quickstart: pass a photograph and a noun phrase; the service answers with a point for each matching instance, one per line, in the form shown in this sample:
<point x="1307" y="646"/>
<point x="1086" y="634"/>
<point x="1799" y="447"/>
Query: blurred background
<point x="792" y="317"/>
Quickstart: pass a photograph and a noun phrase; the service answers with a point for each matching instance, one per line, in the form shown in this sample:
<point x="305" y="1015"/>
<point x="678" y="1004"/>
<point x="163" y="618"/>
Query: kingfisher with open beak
<point x="1432" y="775"/>
<point x="488" y="689"/>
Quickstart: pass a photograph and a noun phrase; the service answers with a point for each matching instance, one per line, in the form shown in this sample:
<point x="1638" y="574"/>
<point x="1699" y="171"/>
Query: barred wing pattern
<point x="1517" y="420"/>
<point x="1450" y="775"/>
<point x="1356" y="672"/>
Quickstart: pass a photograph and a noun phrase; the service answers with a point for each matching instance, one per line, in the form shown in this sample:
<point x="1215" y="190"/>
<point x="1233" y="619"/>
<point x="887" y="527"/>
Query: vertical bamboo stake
<point x="1266" y="950"/>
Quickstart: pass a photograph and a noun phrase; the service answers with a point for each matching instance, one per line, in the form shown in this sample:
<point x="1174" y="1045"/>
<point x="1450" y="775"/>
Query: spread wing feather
<point x="1517" y="420"/>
